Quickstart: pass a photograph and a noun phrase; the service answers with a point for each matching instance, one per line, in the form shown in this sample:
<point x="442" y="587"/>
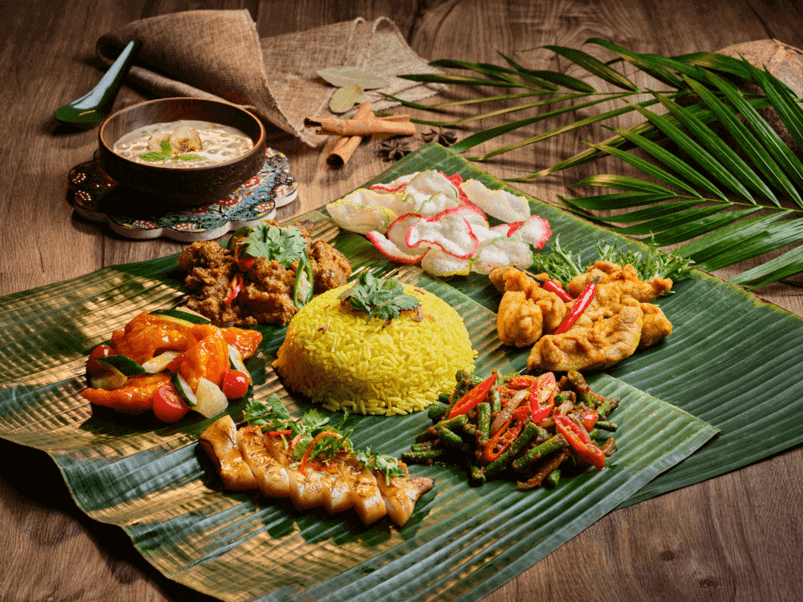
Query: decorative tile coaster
<point x="95" y="197"/>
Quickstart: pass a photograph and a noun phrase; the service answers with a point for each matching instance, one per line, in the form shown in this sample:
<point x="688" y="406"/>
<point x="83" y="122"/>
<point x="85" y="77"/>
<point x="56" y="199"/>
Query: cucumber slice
<point x="122" y="363"/>
<point x="211" y="400"/>
<point x="160" y="362"/>
<point x="113" y="379"/>
<point x="236" y="362"/>
<point x="184" y="390"/>
<point x="184" y="315"/>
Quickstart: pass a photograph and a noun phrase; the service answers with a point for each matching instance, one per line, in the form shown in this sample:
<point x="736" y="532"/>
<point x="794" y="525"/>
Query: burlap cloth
<point x="218" y="54"/>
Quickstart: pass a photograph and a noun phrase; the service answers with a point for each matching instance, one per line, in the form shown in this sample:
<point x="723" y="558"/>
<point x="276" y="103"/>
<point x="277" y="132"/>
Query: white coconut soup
<point x="189" y="144"/>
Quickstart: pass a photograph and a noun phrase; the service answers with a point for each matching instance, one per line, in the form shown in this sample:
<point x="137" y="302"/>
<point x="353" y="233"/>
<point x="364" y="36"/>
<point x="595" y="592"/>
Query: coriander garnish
<point x="284" y="245"/>
<point x="384" y="299"/>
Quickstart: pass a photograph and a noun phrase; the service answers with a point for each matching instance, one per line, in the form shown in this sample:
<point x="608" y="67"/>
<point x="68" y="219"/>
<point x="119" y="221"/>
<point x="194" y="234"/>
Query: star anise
<point x="393" y="149"/>
<point x="444" y="137"/>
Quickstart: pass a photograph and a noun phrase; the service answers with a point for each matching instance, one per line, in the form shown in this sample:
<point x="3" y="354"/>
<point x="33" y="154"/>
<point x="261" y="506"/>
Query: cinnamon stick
<point x="398" y="125"/>
<point x="338" y="153"/>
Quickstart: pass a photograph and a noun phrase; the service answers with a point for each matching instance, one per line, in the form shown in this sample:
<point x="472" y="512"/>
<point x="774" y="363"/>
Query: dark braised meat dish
<point x="264" y="276"/>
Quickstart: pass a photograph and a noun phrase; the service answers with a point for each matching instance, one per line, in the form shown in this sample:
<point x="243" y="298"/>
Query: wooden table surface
<point x="736" y="537"/>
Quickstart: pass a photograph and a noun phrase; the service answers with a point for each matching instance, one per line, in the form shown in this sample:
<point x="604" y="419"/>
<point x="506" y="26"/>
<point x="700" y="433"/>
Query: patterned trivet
<point x="95" y="197"/>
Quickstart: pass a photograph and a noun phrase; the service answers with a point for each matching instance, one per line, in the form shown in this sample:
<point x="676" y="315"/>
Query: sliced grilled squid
<point x="248" y="459"/>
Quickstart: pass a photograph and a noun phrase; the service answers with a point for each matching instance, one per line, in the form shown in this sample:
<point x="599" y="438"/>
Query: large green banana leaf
<point x="731" y="362"/>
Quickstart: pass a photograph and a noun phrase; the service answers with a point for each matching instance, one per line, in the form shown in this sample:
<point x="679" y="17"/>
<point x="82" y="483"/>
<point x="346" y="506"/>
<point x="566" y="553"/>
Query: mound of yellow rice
<point x="336" y="358"/>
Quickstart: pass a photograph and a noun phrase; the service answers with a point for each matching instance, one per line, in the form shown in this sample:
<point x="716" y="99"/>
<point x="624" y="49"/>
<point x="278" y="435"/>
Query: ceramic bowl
<point x="177" y="186"/>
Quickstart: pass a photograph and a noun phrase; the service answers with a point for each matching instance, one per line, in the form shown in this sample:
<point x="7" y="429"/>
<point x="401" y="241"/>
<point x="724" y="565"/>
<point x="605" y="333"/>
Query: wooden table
<point x="736" y="537"/>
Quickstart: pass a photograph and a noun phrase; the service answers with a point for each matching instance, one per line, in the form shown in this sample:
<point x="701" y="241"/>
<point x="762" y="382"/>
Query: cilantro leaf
<point x="271" y="415"/>
<point x="384" y="299"/>
<point x="284" y="245"/>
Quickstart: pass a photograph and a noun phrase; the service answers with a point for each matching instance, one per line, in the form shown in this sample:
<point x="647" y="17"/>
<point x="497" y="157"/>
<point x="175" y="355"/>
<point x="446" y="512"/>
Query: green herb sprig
<point x="166" y="153"/>
<point x="384" y="299"/>
<point x="271" y="415"/>
<point x="563" y="266"/>
<point x="284" y="245"/>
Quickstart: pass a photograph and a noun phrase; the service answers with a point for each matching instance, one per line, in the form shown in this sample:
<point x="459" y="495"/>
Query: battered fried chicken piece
<point x="519" y="321"/>
<point x="526" y="310"/>
<point x="268" y="294"/>
<point x="602" y="343"/>
<point x="330" y="268"/>
<point x="624" y="279"/>
<point x="656" y="325"/>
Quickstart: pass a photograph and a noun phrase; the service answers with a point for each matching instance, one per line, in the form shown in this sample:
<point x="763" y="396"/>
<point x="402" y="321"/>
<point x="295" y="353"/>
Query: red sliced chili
<point x="502" y="439"/>
<point x="580" y="305"/>
<point x="580" y="441"/>
<point x="521" y="382"/>
<point x="470" y="400"/>
<point x="277" y="433"/>
<point x="542" y="397"/>
<point x="235" y="286"/>
<point x="310" y="447"/>
<point x="245" y="263"/>
<point x="590" y="418"/>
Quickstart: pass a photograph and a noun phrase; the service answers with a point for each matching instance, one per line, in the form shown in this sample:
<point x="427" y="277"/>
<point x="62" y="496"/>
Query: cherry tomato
<point x="235" y="384"/>
<point x="167" y="405"/>
<point x="92" y="365"/>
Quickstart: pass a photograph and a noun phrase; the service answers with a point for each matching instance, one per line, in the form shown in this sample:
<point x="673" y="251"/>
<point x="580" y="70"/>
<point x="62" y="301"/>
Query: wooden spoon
<point x="96" y="105"/>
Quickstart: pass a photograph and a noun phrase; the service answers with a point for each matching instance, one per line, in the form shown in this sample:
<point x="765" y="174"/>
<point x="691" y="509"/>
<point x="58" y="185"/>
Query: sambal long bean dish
<point x="531" y="427"/>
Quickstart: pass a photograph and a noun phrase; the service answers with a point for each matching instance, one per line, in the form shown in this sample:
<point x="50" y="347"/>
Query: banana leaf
<point x="720" y="393"/>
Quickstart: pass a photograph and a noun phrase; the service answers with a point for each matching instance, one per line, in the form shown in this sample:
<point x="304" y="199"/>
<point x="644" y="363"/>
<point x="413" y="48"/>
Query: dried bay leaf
<point x="344" y="98"/>
<point x="347" y="76"/>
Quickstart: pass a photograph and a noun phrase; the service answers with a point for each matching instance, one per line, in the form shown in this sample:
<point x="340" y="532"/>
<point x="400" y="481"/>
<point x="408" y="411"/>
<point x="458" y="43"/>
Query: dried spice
<point x="443" y="137"/>
<point x="393" y="149"/>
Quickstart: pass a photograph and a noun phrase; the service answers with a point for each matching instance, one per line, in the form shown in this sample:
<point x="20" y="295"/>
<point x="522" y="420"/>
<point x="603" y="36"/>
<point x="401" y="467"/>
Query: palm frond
<point x="693" y="188"/>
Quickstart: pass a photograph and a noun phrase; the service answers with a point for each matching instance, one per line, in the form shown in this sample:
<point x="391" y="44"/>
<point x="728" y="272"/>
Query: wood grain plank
<point x="736" y="537"/>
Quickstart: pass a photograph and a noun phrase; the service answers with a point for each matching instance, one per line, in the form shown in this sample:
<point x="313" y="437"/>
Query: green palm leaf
<point x="676" y="198"/>
<point x="150" y="478"/>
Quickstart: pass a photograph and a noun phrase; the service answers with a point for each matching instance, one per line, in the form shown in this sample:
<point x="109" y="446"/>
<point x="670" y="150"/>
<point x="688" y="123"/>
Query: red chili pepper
<point x="502" y="439"/>
<point x="554" y="287"/>
<point x="311" y="446"/>
<point x="235" y="286"/>
<point x="521" y="382"/>
<point x="580" y="304"/>
<point x="590" y="418"/>
<point x="580" y="441"/>
<point x="545" y="390"/>
<point x="245" y="263"/>
<point x="470" y="400"/>
<point x="277" y="433"/>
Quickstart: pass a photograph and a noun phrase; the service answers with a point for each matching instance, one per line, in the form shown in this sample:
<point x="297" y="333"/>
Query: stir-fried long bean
<point x="536" y="429"/>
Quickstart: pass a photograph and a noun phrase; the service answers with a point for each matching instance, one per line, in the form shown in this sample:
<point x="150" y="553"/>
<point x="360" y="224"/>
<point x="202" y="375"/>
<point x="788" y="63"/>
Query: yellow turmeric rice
<point x="336" y="358"/>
